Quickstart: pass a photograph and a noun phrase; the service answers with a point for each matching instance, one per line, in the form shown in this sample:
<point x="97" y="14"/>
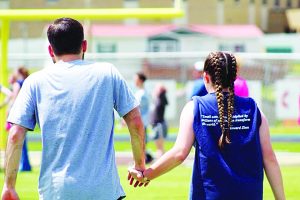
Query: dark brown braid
<point x="218" y="62"/>
<point x="222" y="69"/>
<point x="231" y="90"/>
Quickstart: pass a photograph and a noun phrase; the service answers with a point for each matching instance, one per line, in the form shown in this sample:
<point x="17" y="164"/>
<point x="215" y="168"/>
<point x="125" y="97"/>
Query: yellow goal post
<point x="8" y="15"/>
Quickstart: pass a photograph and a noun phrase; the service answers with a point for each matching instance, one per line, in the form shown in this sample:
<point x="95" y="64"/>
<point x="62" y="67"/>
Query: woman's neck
<point x="212" y="90"/>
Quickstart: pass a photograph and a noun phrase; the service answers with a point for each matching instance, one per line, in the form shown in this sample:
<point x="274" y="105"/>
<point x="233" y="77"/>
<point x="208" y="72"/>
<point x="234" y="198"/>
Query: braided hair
<point x="222" y="69"/>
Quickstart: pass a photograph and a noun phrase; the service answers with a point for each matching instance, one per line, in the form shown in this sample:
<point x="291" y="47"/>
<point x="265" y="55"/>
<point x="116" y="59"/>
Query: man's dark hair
<point x="65" y="36"/>
<point x="141" y="76"/>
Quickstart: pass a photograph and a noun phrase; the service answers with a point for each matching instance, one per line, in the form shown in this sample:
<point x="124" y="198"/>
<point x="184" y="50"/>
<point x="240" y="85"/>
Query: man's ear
<point x="50" y="50"/>
<point x="84" y="46"/>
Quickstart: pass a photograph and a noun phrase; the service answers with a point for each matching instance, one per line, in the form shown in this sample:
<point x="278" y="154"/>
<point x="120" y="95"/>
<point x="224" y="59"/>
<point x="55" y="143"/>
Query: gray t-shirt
<point x="73" y="103"/>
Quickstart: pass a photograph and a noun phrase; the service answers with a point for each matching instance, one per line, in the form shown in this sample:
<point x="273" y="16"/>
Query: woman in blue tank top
<point x="231" y="139"/>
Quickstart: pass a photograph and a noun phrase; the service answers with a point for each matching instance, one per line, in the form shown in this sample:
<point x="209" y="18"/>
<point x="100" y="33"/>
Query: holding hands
<point x="9" y="194"/>
<point x="138" y="177"/>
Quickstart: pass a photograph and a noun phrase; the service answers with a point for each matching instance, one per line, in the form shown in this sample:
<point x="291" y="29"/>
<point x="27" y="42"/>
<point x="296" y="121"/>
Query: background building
<point x="269" y="15"/>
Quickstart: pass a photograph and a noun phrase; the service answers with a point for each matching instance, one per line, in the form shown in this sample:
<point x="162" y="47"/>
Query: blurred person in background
<point x="143" y="98"/>
<point x="240" y="84"/>
<point x="158" y="122"/>
<point x="73" y="102"/>
<point x="231" y="139"/>
<point x="198" y="85"/>
<point x="10" y="100"/>
<point x="16" y="81"/>
<point x="7" y="92"/>
<point x="299" y="110"/>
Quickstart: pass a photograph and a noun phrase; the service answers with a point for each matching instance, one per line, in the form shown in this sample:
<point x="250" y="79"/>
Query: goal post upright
<point x="3" y="75"/>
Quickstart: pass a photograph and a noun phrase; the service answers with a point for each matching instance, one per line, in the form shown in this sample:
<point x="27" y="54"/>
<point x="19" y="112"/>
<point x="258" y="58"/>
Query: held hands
<point x="9" y="194"/>
<point x="140" y="180"/>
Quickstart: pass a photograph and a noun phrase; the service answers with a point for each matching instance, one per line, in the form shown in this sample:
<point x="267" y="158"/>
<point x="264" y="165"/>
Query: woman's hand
<point x="140" y="180"/>
<point x="9" y="194"/>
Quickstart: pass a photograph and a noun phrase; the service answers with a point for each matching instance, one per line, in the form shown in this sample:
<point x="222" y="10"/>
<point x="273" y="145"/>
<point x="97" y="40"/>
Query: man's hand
<point x="134" y="174"/>
<point x="9" y="194"/>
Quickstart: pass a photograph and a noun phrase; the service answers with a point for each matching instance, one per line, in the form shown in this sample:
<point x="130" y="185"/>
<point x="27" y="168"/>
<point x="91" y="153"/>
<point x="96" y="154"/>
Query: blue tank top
<point x="20" y="82"/>
<point x="236" y="172"/>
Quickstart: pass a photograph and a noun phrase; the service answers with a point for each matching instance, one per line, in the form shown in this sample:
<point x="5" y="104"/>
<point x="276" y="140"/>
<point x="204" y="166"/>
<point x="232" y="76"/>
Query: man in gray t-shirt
<point x="73" y="102"/>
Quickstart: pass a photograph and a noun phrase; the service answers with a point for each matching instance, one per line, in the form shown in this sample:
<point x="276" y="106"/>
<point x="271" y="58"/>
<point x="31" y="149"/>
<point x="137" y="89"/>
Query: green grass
<point x="174" y="130"/>
<point x="285" y="130"/>
<point x="286" y="146"/>
<point x="173" y="185"/>
<point x="126" y="146"/>
<point x="274" y="130"/>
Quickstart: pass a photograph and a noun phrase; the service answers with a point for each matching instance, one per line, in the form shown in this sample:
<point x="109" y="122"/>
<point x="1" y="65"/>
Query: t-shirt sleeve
<point x="124" y="100"/>
<point x="23" y="110"/>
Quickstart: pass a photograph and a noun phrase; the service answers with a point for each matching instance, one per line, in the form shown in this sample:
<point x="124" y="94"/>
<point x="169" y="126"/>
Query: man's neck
<point x="69" y="57"/>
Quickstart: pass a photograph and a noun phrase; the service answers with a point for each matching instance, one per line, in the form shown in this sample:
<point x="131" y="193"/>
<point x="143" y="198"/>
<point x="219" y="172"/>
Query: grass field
<point x="125" y="146"/>
<point x="171" y="186"/>
<point x="175" y="184"/>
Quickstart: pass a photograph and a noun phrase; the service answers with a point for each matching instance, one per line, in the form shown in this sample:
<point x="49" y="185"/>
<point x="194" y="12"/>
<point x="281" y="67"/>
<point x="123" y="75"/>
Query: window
<point x="237" y="2"/>
<point x="4" y="4"/>
<point x="279" y="49"/>
<point x="51" y="2"/>
<point x="232" y="47"/>
<point x="289" y="3"/>
<point x="239" y="48"/>
<point x="264" y="2"/>
<point x="277" y="3"/>
<point x="163" y="45"/>
<point x="106" y="48"/>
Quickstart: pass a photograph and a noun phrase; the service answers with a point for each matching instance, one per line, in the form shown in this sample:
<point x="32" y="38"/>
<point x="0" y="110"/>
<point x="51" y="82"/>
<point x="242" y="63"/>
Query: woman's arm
<point x="271" y="165"/>
<point x="8" y="95"/>
<point x="181" y="148"/>
<point x="15" y="91"/>
<point x="5" y="90"/>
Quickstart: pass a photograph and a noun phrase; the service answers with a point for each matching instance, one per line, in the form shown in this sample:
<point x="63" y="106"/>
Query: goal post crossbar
<point x="8" y="15"/>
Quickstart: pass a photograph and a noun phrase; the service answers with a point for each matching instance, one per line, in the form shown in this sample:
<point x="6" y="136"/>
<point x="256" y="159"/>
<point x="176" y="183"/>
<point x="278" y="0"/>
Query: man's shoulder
<point x="34" y="76"/>
<point x="102" y="67"/>
<point x="97" y="64"/>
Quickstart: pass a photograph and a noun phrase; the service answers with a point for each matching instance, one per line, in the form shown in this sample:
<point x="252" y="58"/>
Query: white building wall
<point x="282" y="40"/>
<point x="249" y="44"/>
<point x="197" y="43"/>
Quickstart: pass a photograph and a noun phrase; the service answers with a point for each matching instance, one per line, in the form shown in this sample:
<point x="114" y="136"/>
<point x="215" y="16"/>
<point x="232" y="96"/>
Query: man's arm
<point x="12" y="158"/>
<point x="137" y="134"/>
